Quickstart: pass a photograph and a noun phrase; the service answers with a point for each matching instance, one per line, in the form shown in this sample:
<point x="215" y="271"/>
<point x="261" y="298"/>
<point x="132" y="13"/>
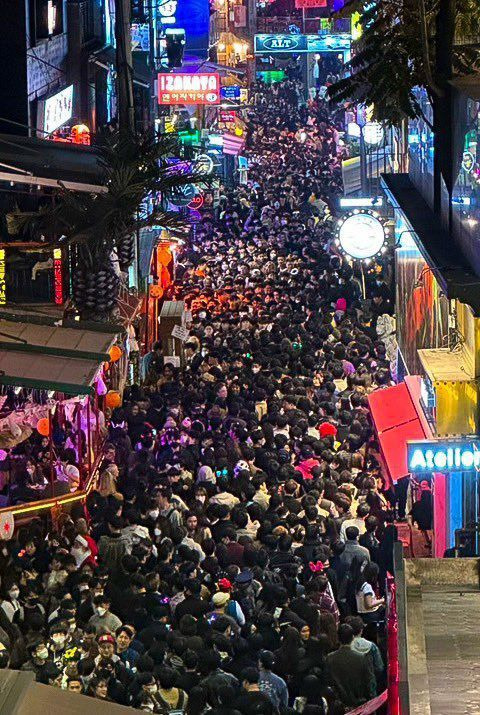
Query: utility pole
<point x="126" y="115"/>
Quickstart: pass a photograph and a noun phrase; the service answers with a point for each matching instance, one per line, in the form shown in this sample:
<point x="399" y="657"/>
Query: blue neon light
<point x="285" y="44"/>
<point x="443" y="456"/>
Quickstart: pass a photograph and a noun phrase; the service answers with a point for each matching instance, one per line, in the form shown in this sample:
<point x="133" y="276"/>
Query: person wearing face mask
<point x="58" y="641"/>
<point x="103" y="620"/>
<point x="11" y="606"/>
<point x="39" y="656"/>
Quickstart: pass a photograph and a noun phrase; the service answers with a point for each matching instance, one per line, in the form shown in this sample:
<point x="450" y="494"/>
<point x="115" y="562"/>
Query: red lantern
<point x="43" y="427"/>
<point x="115" y="353"/>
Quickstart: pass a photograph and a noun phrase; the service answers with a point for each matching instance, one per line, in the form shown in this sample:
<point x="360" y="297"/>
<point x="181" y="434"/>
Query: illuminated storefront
<point x="438" y="335"/>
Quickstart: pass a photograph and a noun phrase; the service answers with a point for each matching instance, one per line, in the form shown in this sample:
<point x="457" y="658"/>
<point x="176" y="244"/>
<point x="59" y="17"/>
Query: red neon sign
<point x="196" y="202"/>
<point x="201" y="88"/>
<point x="58" y="276"/>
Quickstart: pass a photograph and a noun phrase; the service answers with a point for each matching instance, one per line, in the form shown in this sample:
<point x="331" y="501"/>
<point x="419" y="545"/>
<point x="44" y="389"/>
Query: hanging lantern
<point x="156" y="291"/>
<point x="113" y="399"/>
<point x="115" y="353"/>
<point x="43" y="427"/>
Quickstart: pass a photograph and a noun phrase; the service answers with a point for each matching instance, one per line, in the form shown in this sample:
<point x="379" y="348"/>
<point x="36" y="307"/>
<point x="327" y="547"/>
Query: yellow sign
<point x="356" y="29"/>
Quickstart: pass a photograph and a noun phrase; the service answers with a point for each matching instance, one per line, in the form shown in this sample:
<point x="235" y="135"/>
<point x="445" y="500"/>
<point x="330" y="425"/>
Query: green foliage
<point x="138" y="180"/>
<point x="396" y="53"/>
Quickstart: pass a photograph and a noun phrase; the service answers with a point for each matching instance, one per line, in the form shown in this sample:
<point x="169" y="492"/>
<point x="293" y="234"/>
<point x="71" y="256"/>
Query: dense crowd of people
<point x="232" y="555"/>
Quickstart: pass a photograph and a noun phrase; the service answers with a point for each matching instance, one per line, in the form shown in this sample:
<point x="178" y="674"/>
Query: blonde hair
<point x="107" y="484"/>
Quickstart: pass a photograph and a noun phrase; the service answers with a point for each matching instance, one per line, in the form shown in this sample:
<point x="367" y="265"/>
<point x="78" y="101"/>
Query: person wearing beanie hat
<point x="326" y="429"/>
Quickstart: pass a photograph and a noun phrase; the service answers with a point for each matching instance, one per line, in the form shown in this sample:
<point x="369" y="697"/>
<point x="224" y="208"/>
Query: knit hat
<point x="326" y="430"/>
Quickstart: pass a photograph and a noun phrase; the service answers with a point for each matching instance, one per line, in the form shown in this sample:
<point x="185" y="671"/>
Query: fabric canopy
<point x="67" y="342"/>
<point x="396" y="422"/>
<point x="51" y="357"/>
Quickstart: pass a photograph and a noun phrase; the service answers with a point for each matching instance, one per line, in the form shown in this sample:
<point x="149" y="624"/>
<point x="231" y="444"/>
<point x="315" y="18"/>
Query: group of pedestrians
<point x="231" y="558"/>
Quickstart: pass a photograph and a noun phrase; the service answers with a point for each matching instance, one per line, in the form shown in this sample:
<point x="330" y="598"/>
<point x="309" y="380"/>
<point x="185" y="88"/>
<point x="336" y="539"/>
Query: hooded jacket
<point x="366" y="647"/>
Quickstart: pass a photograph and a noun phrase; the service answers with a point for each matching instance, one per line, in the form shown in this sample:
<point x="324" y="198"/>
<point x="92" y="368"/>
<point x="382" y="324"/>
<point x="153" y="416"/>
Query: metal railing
<point x="401" y="607"/>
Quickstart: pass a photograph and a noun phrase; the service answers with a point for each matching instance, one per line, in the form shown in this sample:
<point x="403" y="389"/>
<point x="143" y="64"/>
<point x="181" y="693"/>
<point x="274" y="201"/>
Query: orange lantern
<point x="43" y="427"/>
<point x="156" y="291"/>
<point x="113" y="399"/>
<point x="115" y="353"/>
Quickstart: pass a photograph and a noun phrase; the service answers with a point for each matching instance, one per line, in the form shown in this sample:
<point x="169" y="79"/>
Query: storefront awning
<point x="396" y="421"/>
<point x="47" y="357"/>
<point x="55" y="340"/>
<point x="192" y="64"/>
<point x="47" y="372"/>
<point x="27" y="160"/>
<point x="450" y="268"/>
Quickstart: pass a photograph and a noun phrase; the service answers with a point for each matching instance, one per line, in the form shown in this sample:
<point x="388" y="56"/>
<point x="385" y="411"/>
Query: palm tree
<point x="140" y="173"/>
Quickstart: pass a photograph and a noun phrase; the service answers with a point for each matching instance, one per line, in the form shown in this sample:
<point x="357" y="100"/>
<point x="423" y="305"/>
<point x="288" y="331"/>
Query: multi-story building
<point x="57" y="67"/>
<point x="437" y="265"/>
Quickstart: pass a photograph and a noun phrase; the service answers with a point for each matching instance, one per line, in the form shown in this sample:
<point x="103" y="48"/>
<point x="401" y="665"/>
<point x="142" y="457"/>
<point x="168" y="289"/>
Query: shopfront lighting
<point x="361" y="234"/>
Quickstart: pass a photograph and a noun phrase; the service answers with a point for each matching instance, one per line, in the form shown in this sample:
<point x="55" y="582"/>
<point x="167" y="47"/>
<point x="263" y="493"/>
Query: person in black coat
<point x="349" y="673"/>
<point x="422" y="512"/>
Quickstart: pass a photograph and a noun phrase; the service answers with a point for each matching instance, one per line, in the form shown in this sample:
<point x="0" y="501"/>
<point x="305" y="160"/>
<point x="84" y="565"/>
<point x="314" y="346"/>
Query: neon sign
<point x="167" y="11"/>
<point x="3" y="292"/>
<point x="56" y="110"/>
<point x="443" y="456"/>
<point x="57" y="276"/>
<point x="271" y="44"/>
<point x="200" y="88"/>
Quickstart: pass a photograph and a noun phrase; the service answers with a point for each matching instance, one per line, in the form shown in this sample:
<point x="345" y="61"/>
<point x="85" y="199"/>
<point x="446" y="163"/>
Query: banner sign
<point x="201" y="88"/>
<point x="55" y="111"/>
<point x="239" y="16"/>
<point x="450" y="455"/>
<point x="278" y="44"/>
<point x="232" y="92"/>
<point x="140" y="37"/>
<point x="304" y="4"/>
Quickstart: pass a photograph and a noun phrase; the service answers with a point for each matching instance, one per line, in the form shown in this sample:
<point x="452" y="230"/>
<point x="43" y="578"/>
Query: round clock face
<point x="361" y="235"/>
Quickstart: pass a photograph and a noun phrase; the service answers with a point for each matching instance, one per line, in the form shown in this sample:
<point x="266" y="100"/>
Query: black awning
<point x="29" y="160"/>
<point x="438" y="248"/>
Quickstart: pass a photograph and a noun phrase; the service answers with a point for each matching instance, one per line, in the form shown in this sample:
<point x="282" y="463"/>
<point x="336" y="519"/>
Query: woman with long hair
<point x="288" y="658"/>
<point x="328" y="628"/>
<point x="105" y="495"/>
<point x="369" y="606"/>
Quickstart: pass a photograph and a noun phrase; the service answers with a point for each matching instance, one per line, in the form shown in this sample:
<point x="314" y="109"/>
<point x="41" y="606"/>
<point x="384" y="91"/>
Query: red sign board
<point x="227" y="116"/>
<point x="239" y="16"/>
<point x="304" y="4"/>
<point x="201" y="88"/>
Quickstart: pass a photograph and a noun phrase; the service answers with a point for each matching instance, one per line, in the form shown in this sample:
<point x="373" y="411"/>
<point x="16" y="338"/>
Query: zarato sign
<point x="203" y="88"/>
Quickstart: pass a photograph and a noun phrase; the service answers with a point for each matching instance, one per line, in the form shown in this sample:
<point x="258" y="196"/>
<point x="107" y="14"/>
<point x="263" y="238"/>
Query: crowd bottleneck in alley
<point x="232" y="556"/>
